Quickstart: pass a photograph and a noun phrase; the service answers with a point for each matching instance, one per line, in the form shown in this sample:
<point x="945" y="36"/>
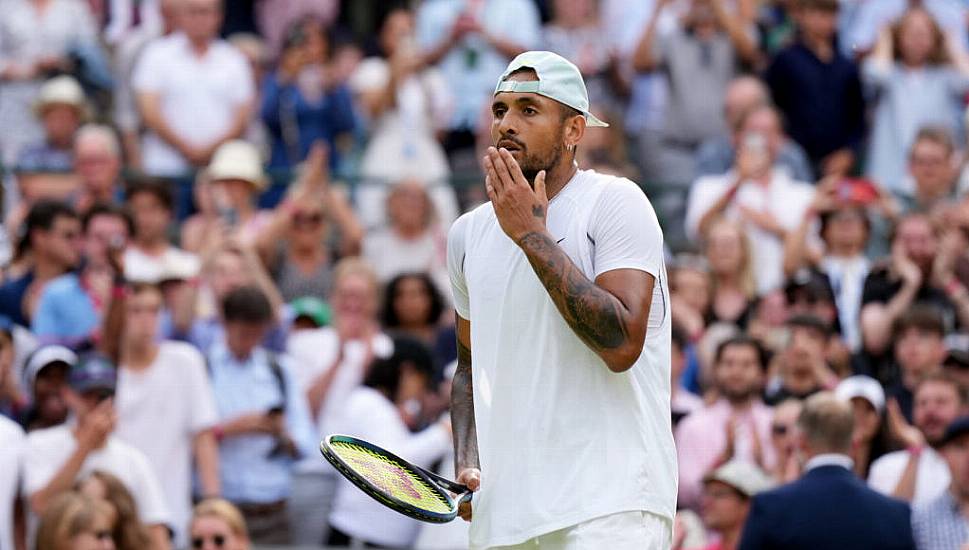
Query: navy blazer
<point x="829" y="508"/>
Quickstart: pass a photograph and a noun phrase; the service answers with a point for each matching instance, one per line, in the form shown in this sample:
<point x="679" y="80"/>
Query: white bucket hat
<point x="558" y="79"/>
<point x="61" y="90"/>
<point x="238" y="160"/>
<point x="864" y="387"/>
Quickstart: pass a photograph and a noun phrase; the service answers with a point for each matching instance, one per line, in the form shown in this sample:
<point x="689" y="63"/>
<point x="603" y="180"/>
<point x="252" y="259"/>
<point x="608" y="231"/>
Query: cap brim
<point x="591" y="120"/>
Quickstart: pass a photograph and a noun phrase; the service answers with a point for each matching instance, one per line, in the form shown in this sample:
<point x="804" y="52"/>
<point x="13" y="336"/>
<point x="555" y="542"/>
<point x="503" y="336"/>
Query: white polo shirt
<point x="562" y="439"/>
<point x="11" y="455"/>
<point x="199" y="95"/>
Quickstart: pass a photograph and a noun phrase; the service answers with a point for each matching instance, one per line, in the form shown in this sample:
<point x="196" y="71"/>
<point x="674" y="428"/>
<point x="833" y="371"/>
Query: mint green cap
<point x="558" y="79"/>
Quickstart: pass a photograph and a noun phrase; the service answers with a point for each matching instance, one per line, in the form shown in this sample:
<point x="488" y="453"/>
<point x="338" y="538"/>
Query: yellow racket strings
<point x="391" y="477"/>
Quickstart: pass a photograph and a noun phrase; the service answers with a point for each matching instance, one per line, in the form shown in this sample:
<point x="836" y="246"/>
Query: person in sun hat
<point x="61" y="108"/>
<point x="562" y="275"/>
<point x="237" y="177"/>
<point x="309" y="312"/>
<point x="725" y="503"/>
<point x="867" y="400"/>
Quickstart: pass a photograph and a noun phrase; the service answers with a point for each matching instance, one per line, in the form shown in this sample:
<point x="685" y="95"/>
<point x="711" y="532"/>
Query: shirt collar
<point x="829" y="459"/>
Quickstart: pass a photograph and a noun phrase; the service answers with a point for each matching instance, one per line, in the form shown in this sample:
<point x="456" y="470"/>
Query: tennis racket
<point x="394" y="482"/>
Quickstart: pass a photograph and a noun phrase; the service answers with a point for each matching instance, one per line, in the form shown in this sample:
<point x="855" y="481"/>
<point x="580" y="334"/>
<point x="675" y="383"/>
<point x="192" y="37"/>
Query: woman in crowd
<point x="76" y="522"/>
<point x="128" y="533"/>
<point x="382" y="411"/>
<point x="218" y="525"/>
<point x="413" y="306"/>
<point x="919" y="77"/>
<point x="734" y="288"/>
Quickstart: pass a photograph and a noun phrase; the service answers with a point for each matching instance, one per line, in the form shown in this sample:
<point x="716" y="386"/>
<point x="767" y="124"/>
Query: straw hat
<point x="61" y="90"/>
<point x="238" y="160"/>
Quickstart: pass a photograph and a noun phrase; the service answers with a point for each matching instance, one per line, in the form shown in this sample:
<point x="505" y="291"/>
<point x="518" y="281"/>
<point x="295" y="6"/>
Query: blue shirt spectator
<point x="65" y="313"/>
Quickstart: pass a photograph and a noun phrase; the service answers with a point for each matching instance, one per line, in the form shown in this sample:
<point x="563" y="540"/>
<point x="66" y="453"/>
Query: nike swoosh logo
<point x="560" y="240"/>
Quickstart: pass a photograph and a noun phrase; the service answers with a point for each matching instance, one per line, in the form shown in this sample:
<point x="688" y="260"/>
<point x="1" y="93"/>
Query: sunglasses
<point x="217" y="540"/>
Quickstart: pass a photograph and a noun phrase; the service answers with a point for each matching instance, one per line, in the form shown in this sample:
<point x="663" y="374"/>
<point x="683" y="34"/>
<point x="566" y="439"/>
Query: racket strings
<point x="392" y="477"/>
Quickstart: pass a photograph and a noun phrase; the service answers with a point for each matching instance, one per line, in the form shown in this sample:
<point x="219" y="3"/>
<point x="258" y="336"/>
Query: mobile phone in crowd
<point x="857" y="190"/>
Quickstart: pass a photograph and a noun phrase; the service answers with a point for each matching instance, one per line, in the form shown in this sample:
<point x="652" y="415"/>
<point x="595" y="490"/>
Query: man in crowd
<point x="725" y="502"/>
<point x="735" y="427"/>
<point x="52" y="238"/>
<point x="919" y="473"/>
<point x="152" y="210"/>
<point x="264" y="420"/>
<point x="803" y="369"/>
<point x="828" y="507"/>
<point x="60" y="107"/>
<point x="919" y="345"/>
<point x="942" y="523"/>
<point x="61" y="455"/>
<point x="98" y="163"/>
<point x="45" y="375"/>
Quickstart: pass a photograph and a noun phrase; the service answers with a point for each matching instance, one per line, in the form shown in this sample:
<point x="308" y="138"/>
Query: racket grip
<point x="466" y="497"/>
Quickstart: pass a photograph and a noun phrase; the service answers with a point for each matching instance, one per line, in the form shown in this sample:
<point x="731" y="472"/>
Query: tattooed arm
<point x="465" y="435"/>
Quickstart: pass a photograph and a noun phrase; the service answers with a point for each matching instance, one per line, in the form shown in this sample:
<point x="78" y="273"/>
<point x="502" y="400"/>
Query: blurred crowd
<point x="224" y="238"/>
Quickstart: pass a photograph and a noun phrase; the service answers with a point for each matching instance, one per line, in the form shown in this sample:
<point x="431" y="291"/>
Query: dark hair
<point x="106" y="209"/>
<point x="158" y="188"/>
<point x="810" y="322"/>
<point x="826" y="217"/>
<point x="821" y="5"/>
<point x="763" y="356"/>
<point x="384" y="373"/>
<point x="42" y="216"/>
<point x="247" y="304"/>
<point x="808" y="284"/>
<point x="388" y="315"/>
<point x="923" y="317"/>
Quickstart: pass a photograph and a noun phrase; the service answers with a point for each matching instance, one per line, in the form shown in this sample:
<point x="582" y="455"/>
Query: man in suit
<point x="828" y="507"/>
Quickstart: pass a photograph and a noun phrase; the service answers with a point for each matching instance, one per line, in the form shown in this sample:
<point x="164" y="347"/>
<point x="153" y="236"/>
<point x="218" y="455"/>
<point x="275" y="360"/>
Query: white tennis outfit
<point x="569" y="450"/>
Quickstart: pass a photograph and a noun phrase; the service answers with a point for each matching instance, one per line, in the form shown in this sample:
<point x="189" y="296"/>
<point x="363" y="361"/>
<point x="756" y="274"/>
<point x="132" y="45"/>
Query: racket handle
<point x="452" y="486"/>
<point x="466" y="497"/>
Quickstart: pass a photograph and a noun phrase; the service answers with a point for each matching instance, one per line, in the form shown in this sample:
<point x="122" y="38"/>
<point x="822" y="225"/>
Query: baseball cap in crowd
<point x="746" y="478"/>
<point x="61" y="90"/>
<point x="313" y="309"/>
<point x="238" y="160"/>
<point x="956" y="429"/>
<point x="558" y="79"/>
<point x="864" y="387"/>
<point x="93" y="371"/>
<point x="173" y="266"/>
<point x="44" y="357"/>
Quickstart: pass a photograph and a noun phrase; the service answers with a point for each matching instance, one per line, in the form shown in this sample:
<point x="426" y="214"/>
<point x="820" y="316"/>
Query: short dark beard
<point x="531" y="166"/>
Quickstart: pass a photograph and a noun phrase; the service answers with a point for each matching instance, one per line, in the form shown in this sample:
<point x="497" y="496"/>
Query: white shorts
<point x="623" y="531"/>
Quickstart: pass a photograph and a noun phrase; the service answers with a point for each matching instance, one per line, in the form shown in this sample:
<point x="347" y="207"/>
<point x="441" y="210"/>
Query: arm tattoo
<point x="594" y="314"/>
<point x="462" y="413"/>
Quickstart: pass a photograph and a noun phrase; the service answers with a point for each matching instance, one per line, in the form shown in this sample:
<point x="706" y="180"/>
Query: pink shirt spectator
<point x="702" y="436"/>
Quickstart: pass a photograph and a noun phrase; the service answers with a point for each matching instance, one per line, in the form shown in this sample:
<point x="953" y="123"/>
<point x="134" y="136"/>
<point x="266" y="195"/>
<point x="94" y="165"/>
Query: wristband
<point x="118" y="292"/>
<point x="218" y="432"/>
<point x="915" y="450"/>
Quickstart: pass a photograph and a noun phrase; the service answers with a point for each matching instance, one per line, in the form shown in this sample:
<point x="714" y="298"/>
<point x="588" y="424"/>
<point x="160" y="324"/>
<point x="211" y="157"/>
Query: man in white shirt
<point x="757" y="193"/>
<point x="919" y="474"/>
<point x="11" y="457"/>
<point x="561" y="294"/>
<point x="61" y="455"/>
<point x="194" y="92"/>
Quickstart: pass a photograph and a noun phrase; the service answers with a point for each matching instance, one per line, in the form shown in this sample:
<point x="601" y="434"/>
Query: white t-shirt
<point x="369" y="415"/>
<point x="931" y="477"/>
<point x="313" y="352"/>
<point x="50" y="448"/>
<point x="160" y="409"/>
<point x="562" y="439"/>
<point x="199" y="95"/>
<point x="11" y="456"/>
<point x="783" y="198"/>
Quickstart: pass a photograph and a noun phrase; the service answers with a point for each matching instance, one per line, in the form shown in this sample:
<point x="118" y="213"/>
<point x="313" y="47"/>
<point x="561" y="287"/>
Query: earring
<point x="569" y="147"/>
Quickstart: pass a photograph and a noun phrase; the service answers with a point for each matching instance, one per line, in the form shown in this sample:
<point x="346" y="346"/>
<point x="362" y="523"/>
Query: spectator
<point x="690" y="295"/>
<point x="98" y="163"/>
<point x="12" y="400"/>
<point x="870" y="18"/>
<point x="717" y="154"/>
<point x="75" y="521"/>
<point x="193" y="90"/>
<point x="867" y="403"/>
<point x="803" y="370"/>
<point x="757" y="194"/>
<point x="471" y="41"/>
<point x="165" y="404"/>
<point x="36" y="41"/>
<point x="726" y="500"/>
<point x="61" y="454"/>
<point x="303" y="102"/>
<point x="918" y="474"/>
<point x="237" y="179"/>
<point x="931" y="185"/>
<point x="69" y="309"/>
<point x="941" y="523"/>
<point x="682" y="401"/>
<point x="264" y="422"/>
<point x="61" y="108"/>
<point x="783" y="438"/>
<point x="819" y="90"/>
<point x="11" y="458"/>
<point x="920" y="77"/>
<point x="699" y="59"/>
<point x="128" y="533"/>
<point x="275" y="17"/>
<point x="728" y="253"/>
<point x="412" y="306"/>
<point x="332" y="361"/>
<point x="375" y="412"/>
<point x="919" y="348"/>
<point x="407" y="103"/>
<point x="735" y="427"/>
<point x="844" y="228"/>
<point x="45" y="376"/>
<point x="309" y="312"/>
<point x="827" y="495"/>
<point x="910" y="277"/>
<point x="51" y="240"/>
<point x="412" y="240"/>
<point x="150" y="252"/>
<point x="215" y="520"/>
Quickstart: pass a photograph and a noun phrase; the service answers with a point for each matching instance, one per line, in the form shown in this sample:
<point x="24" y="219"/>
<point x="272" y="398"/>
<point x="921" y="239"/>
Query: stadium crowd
<point x="225" y="228"/>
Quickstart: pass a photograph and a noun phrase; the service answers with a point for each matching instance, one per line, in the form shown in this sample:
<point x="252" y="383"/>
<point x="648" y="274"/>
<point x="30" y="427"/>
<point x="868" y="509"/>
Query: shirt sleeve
<point x="243" y="87"/>
<point x="37" y="473"/>
<point x="625" y="231"/>
<point x="44" y="322"/>
<point x="884" y="475"/>
<point x="456" y="250"/>
<point x="203" y="414"/>
<point x="148" y="494"/>
<point x="147" y="76"/>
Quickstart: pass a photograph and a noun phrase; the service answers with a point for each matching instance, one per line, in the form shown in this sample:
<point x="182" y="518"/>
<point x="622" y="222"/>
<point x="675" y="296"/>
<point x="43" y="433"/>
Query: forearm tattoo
<point x="594" y="314"/>
<point x="462" y="413"/>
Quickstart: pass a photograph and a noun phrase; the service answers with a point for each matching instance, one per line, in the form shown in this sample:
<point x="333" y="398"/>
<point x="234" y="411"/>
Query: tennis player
<point x="564" y="328"/>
